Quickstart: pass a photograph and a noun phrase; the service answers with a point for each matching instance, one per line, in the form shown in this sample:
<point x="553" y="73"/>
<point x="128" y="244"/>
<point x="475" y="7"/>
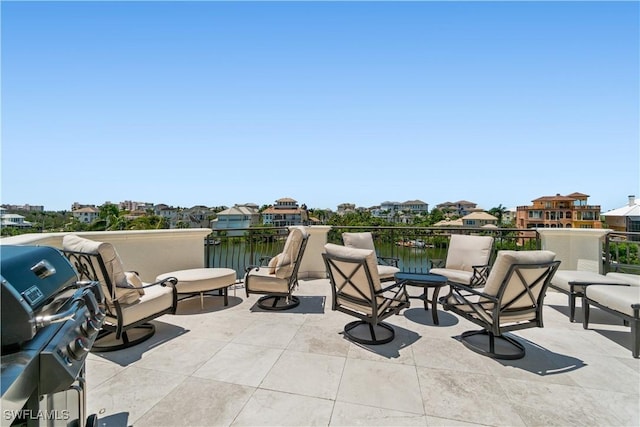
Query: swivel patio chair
<point x="130" y="303"/>
<point x="512" y="299"/>
<point x="357" y="291"/>
<point x="387" y="266"/>
<point x="279" y="278"/>
<point x="467" y="260"/>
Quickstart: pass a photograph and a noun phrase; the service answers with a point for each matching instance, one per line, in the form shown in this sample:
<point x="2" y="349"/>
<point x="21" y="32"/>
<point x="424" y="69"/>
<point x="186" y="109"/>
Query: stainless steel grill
<point x="49" y="323"/>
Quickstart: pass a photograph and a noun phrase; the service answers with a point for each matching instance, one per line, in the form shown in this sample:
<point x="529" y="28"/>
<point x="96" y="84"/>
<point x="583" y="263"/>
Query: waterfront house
<point x="284" y="213"/>
<point x="626" y="218"/>
<point x="238" y="216"/>
<point x="570" y="211"/>
<point x="87" y="214"/>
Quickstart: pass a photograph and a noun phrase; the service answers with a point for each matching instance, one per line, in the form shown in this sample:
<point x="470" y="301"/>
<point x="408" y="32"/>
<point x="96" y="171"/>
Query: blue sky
<point x="217" y="103"/>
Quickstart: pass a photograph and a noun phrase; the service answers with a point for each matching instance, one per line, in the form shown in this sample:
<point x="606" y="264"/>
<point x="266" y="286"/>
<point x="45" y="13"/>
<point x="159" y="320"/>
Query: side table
<point x="426" y="281"/>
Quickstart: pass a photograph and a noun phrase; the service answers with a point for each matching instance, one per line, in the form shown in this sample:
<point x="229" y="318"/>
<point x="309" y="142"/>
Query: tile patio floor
<point x="241" y="366"/>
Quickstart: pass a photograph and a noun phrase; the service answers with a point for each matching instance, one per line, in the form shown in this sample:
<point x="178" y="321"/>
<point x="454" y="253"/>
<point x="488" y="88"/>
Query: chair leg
<point x="585" y="312"/>
<point x="107" y="340"/>
<point x="572" y="307"/>
<point x="488" y="344"/>
<point x="278" y="303"/>
<point x="635" y="338"/>
<point x="369" y="334"/>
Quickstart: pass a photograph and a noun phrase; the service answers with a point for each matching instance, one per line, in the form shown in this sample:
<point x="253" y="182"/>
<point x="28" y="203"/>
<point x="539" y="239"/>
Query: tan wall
<point x="149" y="252"/>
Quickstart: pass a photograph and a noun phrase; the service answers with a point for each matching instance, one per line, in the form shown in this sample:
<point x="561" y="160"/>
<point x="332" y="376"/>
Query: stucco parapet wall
<point x="574" y="232"/>
<point x="149" y="252"/>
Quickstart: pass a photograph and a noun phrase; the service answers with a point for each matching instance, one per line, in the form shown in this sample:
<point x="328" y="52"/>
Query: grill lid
<point x="31" y="278"/>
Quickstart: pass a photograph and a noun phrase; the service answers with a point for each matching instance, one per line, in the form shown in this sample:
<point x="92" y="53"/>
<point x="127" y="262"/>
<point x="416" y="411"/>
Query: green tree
<point x="436" y="215"/>
<point x="498" y="212"/>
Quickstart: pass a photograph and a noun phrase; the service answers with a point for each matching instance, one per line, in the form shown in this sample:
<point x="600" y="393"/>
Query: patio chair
<point x="467" y="260"/>
<point x="387" y="266"/>
<point x="279" y="278"/>
<point x="130" y="303"/>
<point x="357" y="291"/>
<point x="512" y="299"/>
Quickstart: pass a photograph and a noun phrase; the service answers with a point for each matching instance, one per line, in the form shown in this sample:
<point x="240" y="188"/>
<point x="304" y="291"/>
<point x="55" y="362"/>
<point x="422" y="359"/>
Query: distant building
<point x="509" y="216"/>
<point x="132" y="206"/>
<point x="167" y="212"/>
<point x="459" y="208"/>
<point x="479" y="219"/>
<point x="448" y="222"/>
<point x="27" y="207"/>
<point x="86" y="215"/>
<point x="284" y="213"/>
<point x="196" y="216"/>
<point x="75" y="206"/>
<point x="238" y="216"/>
<point x="626" y="218"/>
<point x="400" y="212"/>
<point x="571" y="211"/>
<point x="415" y="207"/>
<point x="344" y="208"/>
<point x="12" y="220"/>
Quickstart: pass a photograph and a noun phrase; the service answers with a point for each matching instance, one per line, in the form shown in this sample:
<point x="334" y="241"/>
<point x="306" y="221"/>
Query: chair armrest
<point x="390" y="287"/>
<point x="264" y="260"/>
<point x="389" y="260"/>
<point x="252" y="267"/>
<point x="454" y="286"/>
<point x="480" y="275"/>
<point x="437" y="263"/>
<point x="164" y="282"/>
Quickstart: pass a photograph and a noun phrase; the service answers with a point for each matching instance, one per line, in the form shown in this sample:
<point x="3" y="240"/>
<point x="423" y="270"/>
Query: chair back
<point x="100" y="262"/>
<point x="354" y="277"/>
<point x="466" y="251"/>
<point x="362" y="240"/>
<point x="291" y="256"/>
<point x="519" y="281"/>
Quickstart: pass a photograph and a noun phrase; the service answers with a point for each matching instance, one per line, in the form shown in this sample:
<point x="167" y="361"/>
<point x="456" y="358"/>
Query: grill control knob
<point x="78" y="348"/>
<point x="89" y="328"/>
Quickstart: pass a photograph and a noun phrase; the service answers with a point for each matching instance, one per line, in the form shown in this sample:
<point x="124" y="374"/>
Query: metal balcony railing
<point x="621" y="252"/>
<point x="416" y="248"/>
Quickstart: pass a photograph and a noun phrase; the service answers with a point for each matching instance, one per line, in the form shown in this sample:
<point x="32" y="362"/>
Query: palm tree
<point x="498" y="212"/>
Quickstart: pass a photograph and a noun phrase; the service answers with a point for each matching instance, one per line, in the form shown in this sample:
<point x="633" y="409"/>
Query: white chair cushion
<point x="155" y="300"/>
<point x="358" y="240"/>
<point x="122" y="290"/>
<point x="262" y="280"/>
<point x="273" y="262"/>
<point x="506" y="259"/>
<point x="457" y="276"/>
<point x="466" y="251"/>
<point x="356" y="254"/>
<point x="284" y="267"/>
<point x="386" y="272"/>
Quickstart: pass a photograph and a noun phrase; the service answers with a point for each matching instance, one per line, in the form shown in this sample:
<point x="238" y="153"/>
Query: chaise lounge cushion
<point x="563" y="278"/>
<point x="632" y="279"/>
<point x="618" y="298"/>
